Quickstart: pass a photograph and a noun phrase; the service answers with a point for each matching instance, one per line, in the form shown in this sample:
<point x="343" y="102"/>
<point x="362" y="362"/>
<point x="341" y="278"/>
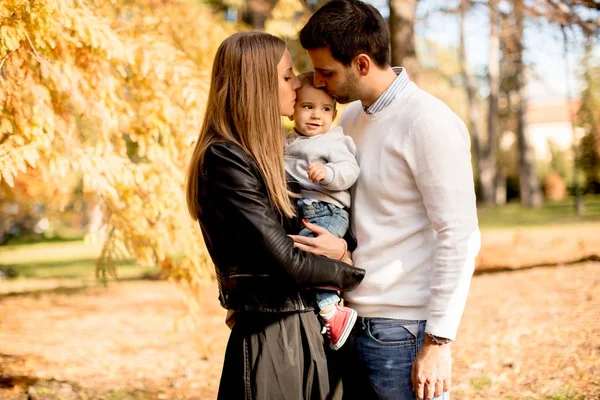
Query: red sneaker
<point x="338" y="328"/>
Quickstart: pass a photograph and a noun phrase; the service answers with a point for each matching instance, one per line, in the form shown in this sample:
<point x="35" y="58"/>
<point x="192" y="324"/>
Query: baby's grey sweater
<point x="337" y="152"/>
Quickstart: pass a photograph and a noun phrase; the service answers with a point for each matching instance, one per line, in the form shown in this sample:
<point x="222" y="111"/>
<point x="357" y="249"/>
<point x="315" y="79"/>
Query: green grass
<point x="563" y="212"/>
<point x="63" y="260"/>
<point x="77" y="260"/>
<point x="77" y="269"/>
<point x="568" y="393"/>
<point x="481" y="382"/>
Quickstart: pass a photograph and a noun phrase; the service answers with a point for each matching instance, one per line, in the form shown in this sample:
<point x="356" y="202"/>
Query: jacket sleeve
<point x="236" y="192"/>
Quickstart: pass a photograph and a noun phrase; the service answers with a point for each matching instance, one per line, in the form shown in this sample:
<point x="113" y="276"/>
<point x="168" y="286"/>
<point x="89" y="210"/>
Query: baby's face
<point x="314" y="112"/>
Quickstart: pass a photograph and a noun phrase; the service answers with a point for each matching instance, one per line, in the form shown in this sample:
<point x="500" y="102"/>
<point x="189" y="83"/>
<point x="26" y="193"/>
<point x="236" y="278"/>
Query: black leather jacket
<point x="257" y="266"/>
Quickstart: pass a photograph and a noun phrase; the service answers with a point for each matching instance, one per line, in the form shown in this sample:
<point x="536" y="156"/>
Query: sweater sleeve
<point x="438" y="154"/>
<point x="342" y="168"/>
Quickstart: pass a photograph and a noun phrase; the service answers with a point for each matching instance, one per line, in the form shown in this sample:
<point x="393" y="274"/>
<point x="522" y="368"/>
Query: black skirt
<point x="275" y="356"/>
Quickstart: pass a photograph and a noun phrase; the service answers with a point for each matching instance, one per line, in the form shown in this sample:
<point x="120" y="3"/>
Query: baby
<point x="323" y="160"/>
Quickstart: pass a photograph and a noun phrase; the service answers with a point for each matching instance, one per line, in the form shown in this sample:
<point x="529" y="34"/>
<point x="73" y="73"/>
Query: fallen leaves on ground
<point x="529" y="334"/>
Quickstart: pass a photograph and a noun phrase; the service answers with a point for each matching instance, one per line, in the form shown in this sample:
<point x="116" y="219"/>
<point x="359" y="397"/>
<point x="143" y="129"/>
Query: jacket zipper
<point x="301" y="302"/>
<point x="248" y="276"/>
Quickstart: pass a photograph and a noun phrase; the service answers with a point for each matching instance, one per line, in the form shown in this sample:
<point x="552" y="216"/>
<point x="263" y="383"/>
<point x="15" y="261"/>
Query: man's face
<point x="339" y="81"/>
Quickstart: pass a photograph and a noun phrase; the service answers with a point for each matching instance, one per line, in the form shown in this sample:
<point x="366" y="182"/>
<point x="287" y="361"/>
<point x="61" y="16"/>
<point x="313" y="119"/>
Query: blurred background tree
<point x="402" y="34"/>
<point x="106" y="99"/>
<point x="588" y="117"/>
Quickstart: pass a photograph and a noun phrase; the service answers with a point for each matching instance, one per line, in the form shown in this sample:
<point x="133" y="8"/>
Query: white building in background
<point x="548" y="121"/>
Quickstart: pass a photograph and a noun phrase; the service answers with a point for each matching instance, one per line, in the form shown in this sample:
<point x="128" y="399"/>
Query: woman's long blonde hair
<point x="243" y="108"/>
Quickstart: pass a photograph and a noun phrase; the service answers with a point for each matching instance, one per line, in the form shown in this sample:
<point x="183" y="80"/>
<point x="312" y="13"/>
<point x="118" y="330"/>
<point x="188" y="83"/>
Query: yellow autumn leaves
<point x="112" y="94"/>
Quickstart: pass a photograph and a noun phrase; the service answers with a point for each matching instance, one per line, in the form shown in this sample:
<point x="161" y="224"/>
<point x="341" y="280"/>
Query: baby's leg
<point x="326" y="300"/>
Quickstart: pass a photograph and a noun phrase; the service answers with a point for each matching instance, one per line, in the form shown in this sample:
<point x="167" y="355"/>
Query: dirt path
<point x="527" y="334"/>
<point x="118" y="341"/>
<point x="515" y="248"/>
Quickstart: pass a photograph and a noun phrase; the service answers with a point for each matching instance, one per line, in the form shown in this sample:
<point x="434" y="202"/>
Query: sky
<point x="543" y="43"/>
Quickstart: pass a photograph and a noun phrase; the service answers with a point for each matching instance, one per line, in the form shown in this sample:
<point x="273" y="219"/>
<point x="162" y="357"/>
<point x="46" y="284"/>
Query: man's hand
<point x="432" y="370"/>
<point x="316" y="172"/>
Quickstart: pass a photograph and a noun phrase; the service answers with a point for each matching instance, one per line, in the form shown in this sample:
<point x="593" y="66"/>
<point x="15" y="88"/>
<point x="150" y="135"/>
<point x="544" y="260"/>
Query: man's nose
<point x="317" y="81"/>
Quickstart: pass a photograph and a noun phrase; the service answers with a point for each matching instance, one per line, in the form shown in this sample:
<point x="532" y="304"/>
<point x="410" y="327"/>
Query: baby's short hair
<point x="307" y="80"/>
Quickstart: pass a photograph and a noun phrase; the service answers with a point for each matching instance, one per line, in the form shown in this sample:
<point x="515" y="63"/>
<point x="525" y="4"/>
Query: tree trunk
<point x="402" y="21"/>
<point x="257" y="12"/>
<point x="500" y="187"/>
<point x="95" y="212"/>
<point x="485" y="149"/>
<point x="531" y="195"/>
<point x="489" y="164"/>
<point x="471" y="89"/>
<point x="578" y="199"/>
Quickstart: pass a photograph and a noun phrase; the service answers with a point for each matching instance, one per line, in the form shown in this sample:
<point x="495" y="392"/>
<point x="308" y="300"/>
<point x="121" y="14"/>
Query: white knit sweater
<point x="413" y="211"/>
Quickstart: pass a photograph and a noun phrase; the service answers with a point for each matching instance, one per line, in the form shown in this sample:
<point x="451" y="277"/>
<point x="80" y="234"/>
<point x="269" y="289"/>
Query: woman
<point x="237" y="190"/>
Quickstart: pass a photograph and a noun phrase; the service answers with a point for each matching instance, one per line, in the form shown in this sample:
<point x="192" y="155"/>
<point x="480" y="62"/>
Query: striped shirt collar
<point x="391" y="93"/>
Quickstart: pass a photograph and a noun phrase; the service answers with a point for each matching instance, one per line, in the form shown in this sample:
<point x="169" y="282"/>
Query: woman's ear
<point x="363" y="64"/>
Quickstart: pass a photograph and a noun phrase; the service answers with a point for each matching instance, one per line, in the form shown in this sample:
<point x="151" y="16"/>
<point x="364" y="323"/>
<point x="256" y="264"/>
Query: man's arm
<point x="438" y="153"/>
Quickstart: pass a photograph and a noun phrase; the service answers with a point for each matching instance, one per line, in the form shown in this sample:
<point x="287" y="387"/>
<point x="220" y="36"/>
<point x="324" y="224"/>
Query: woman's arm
<point x="237" y="192"/>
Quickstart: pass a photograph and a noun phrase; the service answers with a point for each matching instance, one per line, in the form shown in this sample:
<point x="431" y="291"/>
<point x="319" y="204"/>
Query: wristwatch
<point x="438" y="339"/>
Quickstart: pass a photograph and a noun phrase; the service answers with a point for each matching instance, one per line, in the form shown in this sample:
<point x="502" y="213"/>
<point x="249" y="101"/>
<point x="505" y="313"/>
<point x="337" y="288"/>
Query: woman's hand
<point x="324" y="243"/>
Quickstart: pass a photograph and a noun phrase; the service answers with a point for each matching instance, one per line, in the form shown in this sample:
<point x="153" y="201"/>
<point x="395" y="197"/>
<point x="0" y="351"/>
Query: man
<point x="413" y="207"/>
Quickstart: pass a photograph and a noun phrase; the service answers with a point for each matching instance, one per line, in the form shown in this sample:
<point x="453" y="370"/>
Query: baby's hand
<point x="316" y="172"/>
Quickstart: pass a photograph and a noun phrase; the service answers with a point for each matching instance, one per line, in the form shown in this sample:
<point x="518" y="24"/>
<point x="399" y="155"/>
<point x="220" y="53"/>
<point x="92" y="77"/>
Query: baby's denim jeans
<point x="336" y="220"/>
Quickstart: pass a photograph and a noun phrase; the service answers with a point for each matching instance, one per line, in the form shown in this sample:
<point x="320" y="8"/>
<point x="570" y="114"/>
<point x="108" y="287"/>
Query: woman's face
<point x="288" y="83"/>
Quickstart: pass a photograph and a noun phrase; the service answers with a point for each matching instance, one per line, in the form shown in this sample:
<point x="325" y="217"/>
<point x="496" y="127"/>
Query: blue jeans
<point x="336" y="220"/>
<point x="386" y="349"/>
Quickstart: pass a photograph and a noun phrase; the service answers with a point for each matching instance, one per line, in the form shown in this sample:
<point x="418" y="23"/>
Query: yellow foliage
<point x="115" y="93"/>
<point x="287" y="18"/>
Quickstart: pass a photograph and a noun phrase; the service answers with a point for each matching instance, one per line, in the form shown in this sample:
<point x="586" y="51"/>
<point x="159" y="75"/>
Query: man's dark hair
<point x="348" y="28"/>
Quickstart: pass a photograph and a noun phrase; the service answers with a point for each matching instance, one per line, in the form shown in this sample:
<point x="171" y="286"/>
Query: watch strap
<point x="438" y="339"/>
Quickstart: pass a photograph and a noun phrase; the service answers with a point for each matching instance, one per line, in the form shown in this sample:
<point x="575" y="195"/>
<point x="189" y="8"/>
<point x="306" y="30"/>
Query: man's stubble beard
<point x="350" y="91"/>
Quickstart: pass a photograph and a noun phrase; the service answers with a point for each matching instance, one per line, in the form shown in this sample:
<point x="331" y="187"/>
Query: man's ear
<point x="291" y="117"/>
<point x="362" y="64"/>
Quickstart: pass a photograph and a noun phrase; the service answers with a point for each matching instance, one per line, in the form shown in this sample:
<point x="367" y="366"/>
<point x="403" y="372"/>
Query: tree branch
<point x="37" y="55"/>
<point x="2" y="62"/>
<point x="564" y="15"/>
